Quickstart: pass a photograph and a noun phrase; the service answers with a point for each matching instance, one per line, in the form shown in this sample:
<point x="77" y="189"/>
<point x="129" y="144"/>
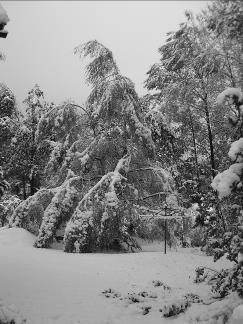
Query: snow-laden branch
<point x="236" y="151"/>
<point x="229" y="93"/>
<point x="100" y="217"/>
<point x="227" y="180"/>
<point x="112" y="177"/>
<point x="231" y="178"/>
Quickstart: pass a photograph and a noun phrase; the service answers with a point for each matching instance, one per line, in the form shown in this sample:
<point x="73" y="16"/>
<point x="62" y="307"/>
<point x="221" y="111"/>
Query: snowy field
<point x="49" y="286"/>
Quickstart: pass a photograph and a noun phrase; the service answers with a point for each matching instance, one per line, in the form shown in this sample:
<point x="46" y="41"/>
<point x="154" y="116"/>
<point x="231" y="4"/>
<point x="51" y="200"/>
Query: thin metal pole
<point x="165" y="233"/>
<point x="165" y="226"/>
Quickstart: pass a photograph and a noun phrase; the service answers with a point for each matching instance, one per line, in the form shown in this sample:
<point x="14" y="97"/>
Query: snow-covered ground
<point x="49" y="286"/>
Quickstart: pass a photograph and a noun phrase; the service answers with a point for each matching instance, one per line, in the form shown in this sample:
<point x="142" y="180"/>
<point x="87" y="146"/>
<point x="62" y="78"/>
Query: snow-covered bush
<point x="157" y="297"/>
<point x="176" y="307"/>
<point x="229" y="280"/>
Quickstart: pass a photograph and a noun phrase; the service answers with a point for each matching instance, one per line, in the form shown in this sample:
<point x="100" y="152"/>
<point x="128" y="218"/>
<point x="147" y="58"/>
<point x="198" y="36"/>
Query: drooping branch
<point x="100" y="205"/>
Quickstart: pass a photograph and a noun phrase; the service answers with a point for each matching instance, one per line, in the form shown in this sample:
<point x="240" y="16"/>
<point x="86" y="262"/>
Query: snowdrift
<point x="17" y="237"/>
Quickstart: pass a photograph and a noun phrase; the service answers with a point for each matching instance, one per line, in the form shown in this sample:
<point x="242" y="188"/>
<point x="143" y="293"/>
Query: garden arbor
<point x="169" y="210"/>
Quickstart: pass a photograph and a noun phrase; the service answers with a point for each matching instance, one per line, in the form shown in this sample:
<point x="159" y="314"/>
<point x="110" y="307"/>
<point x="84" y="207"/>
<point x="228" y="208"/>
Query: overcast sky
<point x="43" y="34"/>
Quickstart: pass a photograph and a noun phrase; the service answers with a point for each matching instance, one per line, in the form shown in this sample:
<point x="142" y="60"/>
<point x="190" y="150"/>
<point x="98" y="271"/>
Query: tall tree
<point x="228" y="19"/>
<point x="99" y="184"/>
<point x="195" y="65"/>
<point x="25" y="162"/>
<point x="8" y="123"/>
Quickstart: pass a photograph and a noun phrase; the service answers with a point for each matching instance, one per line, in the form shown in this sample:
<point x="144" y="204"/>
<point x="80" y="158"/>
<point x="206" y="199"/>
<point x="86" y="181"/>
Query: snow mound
<point x="237" y="316"/>
<point x="217" y="312"/>
<point x="18" y="237"/>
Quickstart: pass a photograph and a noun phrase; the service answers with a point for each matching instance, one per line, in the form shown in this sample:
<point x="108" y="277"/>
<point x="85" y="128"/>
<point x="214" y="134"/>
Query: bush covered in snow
<point x="158" y="297"/>
<point x="175" y="307"/>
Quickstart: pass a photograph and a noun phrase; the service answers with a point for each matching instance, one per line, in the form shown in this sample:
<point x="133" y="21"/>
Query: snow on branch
<point x="140" y="131"/>
<point x="163" y="217"/>
<point x="225" y="181"/>
<point x="103" y="63"/>
<point x="92" y="223"/>
<point x="236" y="151"/>
<point x="83" y="156"/>
<point x="229" y="93"/>
<point x="112" y="177"/>
<point x="61" y="206"/>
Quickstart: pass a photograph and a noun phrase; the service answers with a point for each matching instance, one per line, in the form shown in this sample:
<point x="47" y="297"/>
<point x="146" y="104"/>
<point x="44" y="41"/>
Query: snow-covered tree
<point x="226" y="21"/>
<point x="8" y="123"/>
<point x="229" y="184"/>
<point x="100" y="181"/>
<point x="197" y="61"/>
<point x="27" y="158"/>
<point x="7" y="102"/>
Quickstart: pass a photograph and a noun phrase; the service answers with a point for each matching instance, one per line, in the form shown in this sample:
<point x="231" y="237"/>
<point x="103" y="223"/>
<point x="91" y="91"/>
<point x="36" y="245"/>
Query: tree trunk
<point x="210" y="138"/>
<point x="240" y="228"/>
<point x="241" y="63"/>
<point x="24" y="189"/>
<point x="32" y="186"/>
<point x="194" y="146"/>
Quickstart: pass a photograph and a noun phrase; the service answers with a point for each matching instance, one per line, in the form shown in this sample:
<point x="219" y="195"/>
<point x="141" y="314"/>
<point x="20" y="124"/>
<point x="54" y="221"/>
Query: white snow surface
<point x="49" y="286"/>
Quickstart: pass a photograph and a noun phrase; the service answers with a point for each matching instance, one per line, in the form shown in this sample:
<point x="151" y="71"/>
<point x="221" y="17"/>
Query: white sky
<point x="43" y="34"/>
